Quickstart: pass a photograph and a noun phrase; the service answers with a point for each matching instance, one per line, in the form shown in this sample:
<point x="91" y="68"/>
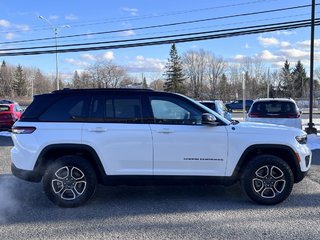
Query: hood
<point x="265" y="129"/>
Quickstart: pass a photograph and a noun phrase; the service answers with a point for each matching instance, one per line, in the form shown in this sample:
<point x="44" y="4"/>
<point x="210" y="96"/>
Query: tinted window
<point x="274" y="108"/>
<point x="117" y="109"/>
<point x="67" y="109"/>
<point x="209" y="105"/>
<point x="174" y="111"/>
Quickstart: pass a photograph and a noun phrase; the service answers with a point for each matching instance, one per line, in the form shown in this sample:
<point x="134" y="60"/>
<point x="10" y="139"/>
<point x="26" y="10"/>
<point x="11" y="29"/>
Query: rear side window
<point x="4" y="108"/>
<point x="67" y="109"/>
<point x="116" y="109"/>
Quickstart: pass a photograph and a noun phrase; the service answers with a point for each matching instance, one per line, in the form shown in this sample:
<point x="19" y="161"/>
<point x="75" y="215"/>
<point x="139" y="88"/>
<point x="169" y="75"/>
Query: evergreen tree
<point x="299" y="76"/>
<point x="144" y="82"/>
<point x="76" y="82"/>
<point x="20" y="82"/>
<point x="285" y="83"/>
<point x="5" y="81"/>
<point x="174" y="73"/>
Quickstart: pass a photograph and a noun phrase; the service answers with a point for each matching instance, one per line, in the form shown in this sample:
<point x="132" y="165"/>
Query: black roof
<point x="69" y="90"/>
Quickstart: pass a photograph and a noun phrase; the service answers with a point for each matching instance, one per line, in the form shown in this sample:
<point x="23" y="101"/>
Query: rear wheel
<point x="267" y="179"/>
<point x="69" y="181"/>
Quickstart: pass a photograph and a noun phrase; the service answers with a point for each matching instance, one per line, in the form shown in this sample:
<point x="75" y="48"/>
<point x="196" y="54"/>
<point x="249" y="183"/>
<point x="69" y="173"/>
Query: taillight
<point x="23" y="130"/>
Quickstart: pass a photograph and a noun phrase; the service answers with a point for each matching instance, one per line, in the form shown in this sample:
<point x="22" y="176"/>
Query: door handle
<point x="166" y="131"/>
<point x="97" y="130"/>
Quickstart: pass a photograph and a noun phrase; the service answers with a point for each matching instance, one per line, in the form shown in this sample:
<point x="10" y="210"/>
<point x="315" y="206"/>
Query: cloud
<point x="4" y="23"/>
<point x="77" y="63"/>
<point x="71" y="17"/>
<point x="273" y="42"/>
<point x="295" y="53"/>
<point x="239" y="57"/>
<point x="108" y="56"/>
<point x="307" y="43"/>
<point x="131" y="11"/>
<point x="268" y="56"/>
<point x="127" y="33"/>
<point x="268" y="41"/>
<point x="142" y="64"/>
<point x="88" y="57"/>
<point x="23" y="27"/>
<point x="285" y="44"/>
<point x="9" y="36"/>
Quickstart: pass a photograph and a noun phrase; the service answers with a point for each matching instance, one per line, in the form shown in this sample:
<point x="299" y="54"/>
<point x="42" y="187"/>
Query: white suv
<point x="282" y="111"/>
<point x="74" y="139"/>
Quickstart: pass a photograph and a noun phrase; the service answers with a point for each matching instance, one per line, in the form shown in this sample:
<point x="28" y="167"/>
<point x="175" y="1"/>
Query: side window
<point x="67" y="109"/>
<point x="174" y="111"/>
<point x="116" y="109"/>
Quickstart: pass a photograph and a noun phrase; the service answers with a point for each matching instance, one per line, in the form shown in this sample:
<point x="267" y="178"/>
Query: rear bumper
<point x="31" y="176"/>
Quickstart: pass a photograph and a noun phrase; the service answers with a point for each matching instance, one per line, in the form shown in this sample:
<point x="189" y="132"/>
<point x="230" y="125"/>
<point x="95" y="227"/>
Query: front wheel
<point x="267" y="179"/>
<point x="69" y="181"/>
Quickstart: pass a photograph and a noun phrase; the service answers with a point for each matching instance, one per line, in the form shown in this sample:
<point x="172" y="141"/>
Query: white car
<point x="71" y="140"/>
<point x="281" y="111"/>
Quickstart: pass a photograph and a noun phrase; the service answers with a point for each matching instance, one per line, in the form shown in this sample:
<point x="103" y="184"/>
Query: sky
<point x="19" y="21"/>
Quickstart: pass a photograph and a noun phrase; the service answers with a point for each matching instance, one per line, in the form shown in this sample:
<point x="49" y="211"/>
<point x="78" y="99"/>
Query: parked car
<point x="238" y="105"/>
<point x="218" y="107"/>
<point x="282" y="111"/>
<point x="9" y="114"/>
<point x="71" y="140"/>
<point x="6" y="101"/>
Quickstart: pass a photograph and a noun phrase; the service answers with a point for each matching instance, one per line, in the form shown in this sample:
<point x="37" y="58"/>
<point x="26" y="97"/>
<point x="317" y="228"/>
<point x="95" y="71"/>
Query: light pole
<point x="56" y="30"/>
<point x="243" y="95"/>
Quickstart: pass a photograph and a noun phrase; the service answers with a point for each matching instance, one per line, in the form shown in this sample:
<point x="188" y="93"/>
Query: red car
<point x="9" y="114"/>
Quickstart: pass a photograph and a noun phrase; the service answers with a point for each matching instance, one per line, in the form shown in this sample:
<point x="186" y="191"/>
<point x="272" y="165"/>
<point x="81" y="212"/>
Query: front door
<point x="182" y="145"/>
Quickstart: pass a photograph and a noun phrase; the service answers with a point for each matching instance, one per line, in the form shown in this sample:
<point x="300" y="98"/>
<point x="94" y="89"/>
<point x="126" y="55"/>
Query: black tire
<point x="70" y="181"/>
<point x="267" y="179"/>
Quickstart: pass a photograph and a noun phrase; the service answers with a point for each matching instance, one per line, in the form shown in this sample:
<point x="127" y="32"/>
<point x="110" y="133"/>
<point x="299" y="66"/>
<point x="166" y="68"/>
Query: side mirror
<point x="209" y="119"/>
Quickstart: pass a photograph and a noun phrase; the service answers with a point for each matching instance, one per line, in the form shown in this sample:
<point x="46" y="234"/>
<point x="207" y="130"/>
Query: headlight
<point x="302" y="139"/>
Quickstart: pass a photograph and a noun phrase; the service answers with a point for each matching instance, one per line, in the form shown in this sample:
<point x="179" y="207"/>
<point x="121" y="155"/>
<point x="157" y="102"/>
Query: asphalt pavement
<point x="157" y="212"/>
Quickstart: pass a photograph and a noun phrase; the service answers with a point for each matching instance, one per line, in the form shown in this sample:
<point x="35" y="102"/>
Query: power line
<point x="179" y="30"/>
<point x="149" y="16"/>
<point x="165" y="25"/>
<point x="169" y="41"/>
<point x="162" y="37"/>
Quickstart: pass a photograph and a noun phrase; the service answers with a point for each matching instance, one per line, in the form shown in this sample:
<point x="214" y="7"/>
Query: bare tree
<point x="105" y="74"/>
<point x="195" y="66"/>
<point x="157" y="85"/>
<point x="216" y="68"/>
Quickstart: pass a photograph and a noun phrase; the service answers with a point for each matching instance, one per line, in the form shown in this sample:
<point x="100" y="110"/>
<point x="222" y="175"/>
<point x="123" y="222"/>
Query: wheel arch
<point x="52" y="152"/>
<point x="282" y="151"/>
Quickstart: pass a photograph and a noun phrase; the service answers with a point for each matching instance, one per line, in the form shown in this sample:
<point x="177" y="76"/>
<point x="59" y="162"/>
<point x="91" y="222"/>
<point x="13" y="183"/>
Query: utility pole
<point x="56" y="30"/>
<point x="311" y="129"/>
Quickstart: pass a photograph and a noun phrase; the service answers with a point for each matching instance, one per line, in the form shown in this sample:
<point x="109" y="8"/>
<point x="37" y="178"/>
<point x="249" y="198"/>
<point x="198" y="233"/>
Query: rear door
<point x="117" y="132"/>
